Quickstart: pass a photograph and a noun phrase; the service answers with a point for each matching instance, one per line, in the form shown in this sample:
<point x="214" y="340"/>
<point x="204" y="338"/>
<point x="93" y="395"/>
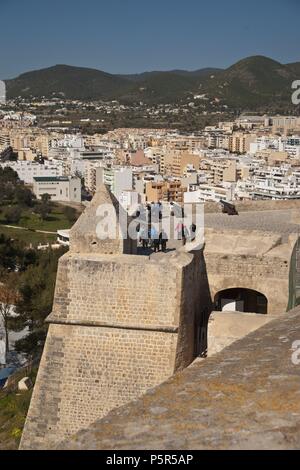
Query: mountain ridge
<point x="250" y="82"/>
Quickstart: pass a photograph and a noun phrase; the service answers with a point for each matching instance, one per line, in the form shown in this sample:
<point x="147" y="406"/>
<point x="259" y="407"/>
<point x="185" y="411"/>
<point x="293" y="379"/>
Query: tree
<point x="15" y="257"/>
<point x="44" y="208"/>
<point x="7" y="174"/>
<point x="24" y="196"/>
<point x="46" y="198"/>
<point x="12" y="215"/>
<point x="70" y="214"/>
<point x="36" y="289"/>
<point x="8" y="298"/>
<point x="9" y="253"/>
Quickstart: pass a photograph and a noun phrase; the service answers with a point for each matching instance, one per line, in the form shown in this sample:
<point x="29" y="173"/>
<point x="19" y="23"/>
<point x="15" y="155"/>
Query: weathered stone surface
<point x="84" y="235"/>
<point x="224" y="328"/>
<point x="245" y="397"/>
<point x="252" y="260"/>
<point x="120" y="325"/>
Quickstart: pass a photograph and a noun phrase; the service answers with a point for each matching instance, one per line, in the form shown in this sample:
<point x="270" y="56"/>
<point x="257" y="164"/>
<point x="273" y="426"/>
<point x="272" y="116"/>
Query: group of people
<point x="149" y="237"/>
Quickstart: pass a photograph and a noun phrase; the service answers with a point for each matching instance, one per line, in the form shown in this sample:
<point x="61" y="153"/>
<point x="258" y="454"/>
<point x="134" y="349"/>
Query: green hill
<point x="254" y="82"/>
<point x="67" y="81"/>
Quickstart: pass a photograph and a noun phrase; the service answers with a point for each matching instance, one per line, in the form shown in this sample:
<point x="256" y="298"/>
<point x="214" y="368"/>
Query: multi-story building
<point x="165" y="191"/>
<point x="223" y="171"/>
<point x="118" y="179"/>
<point x="60" y="188"/>
<point x="174" y="163"/>
<point x="240" y="142"/>
<point x="27" y="171"/>
<point x="4" y="139"/>
<point x="285" y="125"/>
<point x="210" y="193"/>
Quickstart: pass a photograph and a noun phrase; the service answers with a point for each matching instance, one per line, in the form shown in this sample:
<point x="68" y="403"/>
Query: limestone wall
<point x="263" y="205"/>
<point x="263" y="274"/>
<point x="120" y="325"/>
<point x="244" y="398"/>
<point x="87" y="371"/>
<point x="117" y="290"/>
<point x="224" y="328"/>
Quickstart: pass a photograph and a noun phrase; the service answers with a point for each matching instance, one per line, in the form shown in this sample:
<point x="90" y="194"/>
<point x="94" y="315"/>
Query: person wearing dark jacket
<point x="163" y="238"/>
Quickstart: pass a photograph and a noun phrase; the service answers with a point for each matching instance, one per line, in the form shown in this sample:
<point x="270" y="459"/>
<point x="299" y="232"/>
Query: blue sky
<point x="124" y="36"/>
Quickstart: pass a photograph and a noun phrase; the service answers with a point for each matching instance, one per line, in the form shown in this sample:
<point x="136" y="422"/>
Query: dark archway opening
<point x="241" y="300"/>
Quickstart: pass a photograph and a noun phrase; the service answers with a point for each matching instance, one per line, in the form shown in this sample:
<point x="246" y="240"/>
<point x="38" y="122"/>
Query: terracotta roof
<point x="139" y="159"/>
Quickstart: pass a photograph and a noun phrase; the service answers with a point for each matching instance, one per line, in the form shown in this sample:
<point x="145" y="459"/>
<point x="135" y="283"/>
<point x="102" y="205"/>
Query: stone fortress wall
<point x="253" y="260"/>
<point x="120" y="325"/>
<point x="246" y="397"/>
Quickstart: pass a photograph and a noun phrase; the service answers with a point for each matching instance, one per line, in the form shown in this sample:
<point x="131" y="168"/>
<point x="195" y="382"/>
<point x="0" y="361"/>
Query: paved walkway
<point x="28" y="229"/>
<point x="278" y="221"/>
<point x="275" y="221"/>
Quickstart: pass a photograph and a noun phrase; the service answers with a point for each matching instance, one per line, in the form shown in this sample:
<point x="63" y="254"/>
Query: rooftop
<point x="41" y="179"/>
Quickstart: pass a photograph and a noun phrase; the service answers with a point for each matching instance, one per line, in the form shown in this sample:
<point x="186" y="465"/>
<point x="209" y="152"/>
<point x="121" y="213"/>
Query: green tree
<point x="46" y="198"/>
<point x="8" y="255"/>
<point x="24" y="196"/>
<point x="36" y="292"/>
<point x="44" y="208"/>
<point x="12" y="215"/>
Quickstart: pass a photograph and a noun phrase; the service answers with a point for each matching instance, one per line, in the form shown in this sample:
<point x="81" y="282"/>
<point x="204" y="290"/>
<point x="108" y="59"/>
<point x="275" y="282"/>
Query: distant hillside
<point x="253" y="82"/>
<point x="67" y="81"/>
<point x="295" y="67"/>
<point x="139" y="77"/>
<point x="250" y="83"/>
<point x="161" y="87"/>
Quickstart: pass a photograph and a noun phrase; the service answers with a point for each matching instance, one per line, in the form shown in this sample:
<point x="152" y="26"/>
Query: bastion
<point x="246" y="397"/>
<point x="120" y="324"/>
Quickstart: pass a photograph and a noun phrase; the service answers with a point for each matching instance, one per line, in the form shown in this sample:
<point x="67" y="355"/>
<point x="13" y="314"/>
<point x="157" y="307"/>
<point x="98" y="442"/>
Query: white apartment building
<point x="264" y="143"/>
<point x="291" y="145"/>
<point x="213" y="193"/>
<point x="68" y="141"/>
<point x="27" y="171"/>
<point x="271" y="183"/>
<point x="60" y="188"/>
<point x="117" y="178"/>
<point x="130" y="199"/>
<point x="272" y="190"/>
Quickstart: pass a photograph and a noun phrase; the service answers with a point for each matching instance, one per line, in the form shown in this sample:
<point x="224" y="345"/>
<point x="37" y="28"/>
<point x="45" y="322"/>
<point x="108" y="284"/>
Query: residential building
<point x="117" y="178"/>
<point x="165" y="191"/>
<point x="210" y="193"/>
<point x="28" y="170"/>
<point x="60" y="188"/>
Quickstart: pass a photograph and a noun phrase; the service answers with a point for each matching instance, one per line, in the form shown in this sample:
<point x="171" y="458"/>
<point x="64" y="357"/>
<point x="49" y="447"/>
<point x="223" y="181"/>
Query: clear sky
<point x="125" y="36"/>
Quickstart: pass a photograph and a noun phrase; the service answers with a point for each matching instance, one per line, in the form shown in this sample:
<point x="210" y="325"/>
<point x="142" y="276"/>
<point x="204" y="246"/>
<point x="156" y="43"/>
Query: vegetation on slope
<point x="13" y="410"/>
<point x="253" y="82"/>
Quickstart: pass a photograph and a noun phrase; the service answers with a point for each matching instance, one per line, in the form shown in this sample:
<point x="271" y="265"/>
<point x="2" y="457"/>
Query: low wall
<point x="224" y="328"/>
<point x="263" y="274"/>
<point x="263" y="205"/>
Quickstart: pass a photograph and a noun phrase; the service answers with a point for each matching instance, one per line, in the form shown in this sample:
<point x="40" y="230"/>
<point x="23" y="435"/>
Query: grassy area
<point x="13" y="410"/>
<point x="27" y="236"/>
<point x="56" y="220"/>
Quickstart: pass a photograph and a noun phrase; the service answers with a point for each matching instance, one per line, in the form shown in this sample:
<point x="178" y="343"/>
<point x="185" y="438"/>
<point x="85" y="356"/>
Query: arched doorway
<point x="241" y="300"/>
